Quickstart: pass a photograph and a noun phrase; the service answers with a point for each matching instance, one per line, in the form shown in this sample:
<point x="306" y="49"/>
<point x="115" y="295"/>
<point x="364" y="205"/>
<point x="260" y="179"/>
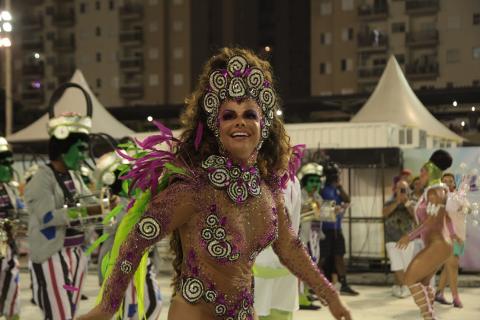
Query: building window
<point x="50" y="35"/>
<point x="398" y="27"/>
<point x="111" y="5"/>
<point x="347" y="34"/>
<point x="476" y="19"/>
<point x="98" y="57"/>
<point x="343" y="64"/>
<point x="153" y="80"/>
<point x="153" y="26"/>
<point x="453" y="22"/>
<point x="347" y="5"/>
<point x="323" y="68"/>
<point x="325" y="38"/>
<point x="325" y="8"/>
<point x="177" y="25"/>
<point x="99" y="83"/>
<point x="97" y="5"/>
<point x="98" y="31"/>
<point x="177" y="79"/>
<point x="475" y="83"/>
<point x="453" y="55"/>
<point x="178" y="53"/>
<point x="476" y="53"/>
<point x="153" y="53"/>
<point x="83" y="7"/>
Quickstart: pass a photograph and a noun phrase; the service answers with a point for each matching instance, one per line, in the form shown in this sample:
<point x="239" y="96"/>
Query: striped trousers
<point x="152" y="299"/>
<point x="9" y="276"/>
<point x="57" y="283"/>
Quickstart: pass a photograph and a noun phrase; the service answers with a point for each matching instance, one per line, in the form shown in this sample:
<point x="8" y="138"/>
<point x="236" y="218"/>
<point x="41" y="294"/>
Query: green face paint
<point x="434" y="173"/>
<point x="6" y="171"/>
<point x="313" y="184"/>
<point x="75" y="155"/>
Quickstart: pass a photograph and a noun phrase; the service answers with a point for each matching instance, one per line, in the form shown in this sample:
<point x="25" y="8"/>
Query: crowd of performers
<point x="254" y="234"/>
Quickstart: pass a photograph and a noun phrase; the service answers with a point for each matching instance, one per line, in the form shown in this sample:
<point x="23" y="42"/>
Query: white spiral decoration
<point x="212" y="220"/>
<point x="236" y="88"/>
<point x="235" y="172"/>
<point x="237" y="191"/>
<point x="219" y="177"/>
<point x="192" y="289"/>
<point x="207" y="234"/>
<point x="243" y="314"/>
<point x="220" y="233"/>
<point x="211" y="103"/>
<point x="255" y="78"/>
<point x="267" y="98"/>
<point x="220" y="309"/>
<point x="126" y="266"/>
<point x="217" y="81"/>
<point x="254" y="186"/>
<point x="236" y="63"/>
<point x="210" y="296"/>
<point x="148" y="228"/>
<point x="219" y="249"/>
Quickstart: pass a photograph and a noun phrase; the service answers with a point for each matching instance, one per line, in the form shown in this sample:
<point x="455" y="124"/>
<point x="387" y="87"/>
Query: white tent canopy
<point x="73" y="100"/>
<point x="394" y="101"/>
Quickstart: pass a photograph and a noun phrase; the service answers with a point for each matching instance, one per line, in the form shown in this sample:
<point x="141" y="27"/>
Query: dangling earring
<point x="252" y="160"/>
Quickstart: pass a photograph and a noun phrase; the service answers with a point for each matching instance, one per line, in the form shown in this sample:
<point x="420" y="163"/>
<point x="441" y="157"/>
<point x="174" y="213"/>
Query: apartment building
<point x="132" y="52"/>
<point x="437" y="42"/>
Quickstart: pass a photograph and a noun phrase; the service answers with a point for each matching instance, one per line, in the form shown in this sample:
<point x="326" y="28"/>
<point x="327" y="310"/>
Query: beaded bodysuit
<point x="225" y="216"/>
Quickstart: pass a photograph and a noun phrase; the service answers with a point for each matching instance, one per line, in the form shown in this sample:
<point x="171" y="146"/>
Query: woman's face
<point x="240" y="128"/>
<point x="423" y="176"/>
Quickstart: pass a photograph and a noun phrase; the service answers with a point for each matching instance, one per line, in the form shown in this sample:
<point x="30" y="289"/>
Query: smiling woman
<point x="219" y="193"/>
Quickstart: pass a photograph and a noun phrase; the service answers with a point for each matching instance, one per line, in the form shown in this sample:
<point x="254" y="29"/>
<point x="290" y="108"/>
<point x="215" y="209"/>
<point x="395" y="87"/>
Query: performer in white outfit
<point x="276" y="289"/>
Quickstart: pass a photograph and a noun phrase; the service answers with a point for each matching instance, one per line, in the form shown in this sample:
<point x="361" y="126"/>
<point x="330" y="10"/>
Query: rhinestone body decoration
<point x="237" y="82"/>
<point x="238" y="182"/>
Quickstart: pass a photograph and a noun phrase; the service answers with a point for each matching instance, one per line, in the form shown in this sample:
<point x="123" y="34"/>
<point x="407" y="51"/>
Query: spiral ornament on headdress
<point x="239" y="81"/>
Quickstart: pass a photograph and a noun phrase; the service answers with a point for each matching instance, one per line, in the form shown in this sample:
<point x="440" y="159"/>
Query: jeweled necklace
<point x="240" y="182"/>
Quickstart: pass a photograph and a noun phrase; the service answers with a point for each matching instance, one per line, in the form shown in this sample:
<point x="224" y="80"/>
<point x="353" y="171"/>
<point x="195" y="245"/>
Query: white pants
<point x="9" y="272"/>
<point x="400" y="258"/>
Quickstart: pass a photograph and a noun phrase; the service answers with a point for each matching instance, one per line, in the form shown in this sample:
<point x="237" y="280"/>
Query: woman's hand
<point x="403" y="242"/>
<point x="338" y="310"/>
<point x="96" y="314"/>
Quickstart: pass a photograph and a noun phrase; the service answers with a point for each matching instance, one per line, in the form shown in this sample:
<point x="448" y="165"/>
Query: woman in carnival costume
<point x="56" y="195"/>
<point x="433" y="213"/>
<point x="221" y="197"/>
<point x="108" y="168"/>
<point x="10" y="204"/>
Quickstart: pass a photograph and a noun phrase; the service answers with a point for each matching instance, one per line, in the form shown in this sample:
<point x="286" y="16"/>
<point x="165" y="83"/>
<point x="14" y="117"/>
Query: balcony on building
<point x="30" y="22"/>
<point x="131" y="64"/>
<point x="367" y="12"/>
<point x="33" y="70"/>
<point x="64" y="19"/>
<point x="65" y="45"/>
<point x="369" y="74"/>
<point x="64" y="70"/>
<point x="33" y="96"/>
<point x="425" y="38"/>
<point x="131" y="37"/>
<point x="33" y="2"/>
<point x="132" y="90"/>
<point x="131" y="11"/>
<point x="32" y="43"/>
<point x="421" y="7"/>
<point x="422" y="70"/>
<point x="372" y="42"/>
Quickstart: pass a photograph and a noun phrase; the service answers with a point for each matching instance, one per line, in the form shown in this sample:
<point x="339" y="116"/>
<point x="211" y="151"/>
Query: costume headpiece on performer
<point x="237" y="82"/>
<point x="439" y="161"/>
<point x="311" y="168"/>
<point x="331" y="171"/>
<point x="61" y="126"/>
<point x="4" y="146"/>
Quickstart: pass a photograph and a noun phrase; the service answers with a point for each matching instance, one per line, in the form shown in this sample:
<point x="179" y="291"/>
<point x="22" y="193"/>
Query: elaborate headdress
<point x="439" y="161"/>
<point x="61" y="126"/>
<point x="237" y="82"/>
<point x="311" y="168"/>
<point x="4" y="145"/>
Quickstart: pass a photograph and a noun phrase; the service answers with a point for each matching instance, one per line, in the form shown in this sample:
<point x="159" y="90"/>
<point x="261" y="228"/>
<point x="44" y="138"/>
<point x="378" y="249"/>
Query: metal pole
<point x="8" y="84"/>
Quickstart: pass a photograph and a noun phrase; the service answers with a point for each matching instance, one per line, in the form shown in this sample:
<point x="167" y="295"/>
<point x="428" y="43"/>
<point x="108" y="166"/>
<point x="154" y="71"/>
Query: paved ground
<point x="374" y="303"/>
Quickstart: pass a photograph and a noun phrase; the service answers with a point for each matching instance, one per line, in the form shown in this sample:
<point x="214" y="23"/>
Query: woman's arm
<point x="293" y="255"/>
<point x="166" y="212"/>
